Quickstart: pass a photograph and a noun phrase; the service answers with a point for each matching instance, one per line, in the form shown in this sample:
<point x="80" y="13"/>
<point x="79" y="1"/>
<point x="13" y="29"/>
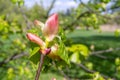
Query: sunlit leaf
<point x="62" y="52"/>
<point x="34" y="55"/>
<point x="14" y="1"/>
<point x="117" y="32"/>
<point x="82" y="49"/>
<point x="75" y="58"/>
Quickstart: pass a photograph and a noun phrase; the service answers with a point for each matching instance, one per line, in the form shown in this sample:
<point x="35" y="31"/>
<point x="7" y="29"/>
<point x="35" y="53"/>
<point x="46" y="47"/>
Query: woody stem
<point x="40" y="66"/>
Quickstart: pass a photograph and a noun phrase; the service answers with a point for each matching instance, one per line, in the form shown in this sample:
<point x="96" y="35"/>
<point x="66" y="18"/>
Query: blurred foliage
<point x="117" y="32"/>
<point x="16" y="19"/>
<point x="79" y="53"/>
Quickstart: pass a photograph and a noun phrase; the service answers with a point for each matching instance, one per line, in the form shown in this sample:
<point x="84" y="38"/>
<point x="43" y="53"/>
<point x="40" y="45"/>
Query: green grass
<point x="101" y="40"/>
<point x="84" y="33"/>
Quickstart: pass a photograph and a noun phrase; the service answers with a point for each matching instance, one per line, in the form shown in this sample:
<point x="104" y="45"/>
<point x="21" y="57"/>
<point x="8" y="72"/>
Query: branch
<point x="61" y="71"/>
<point x="13" y="57"/>
<point x="50" y="7"/>
<point x="25" y="18"/>
<point x="41" y="3"/>
<point x="85" y="68"/>
<point x="105" y="51"/>
<point x="74" y="22"/>
<point x="40" y="66"/>
<point x="88" y="7"/>
<point x="90" y="71"/>
<point x="101" y="56"/>
<point x="89" y="11"/>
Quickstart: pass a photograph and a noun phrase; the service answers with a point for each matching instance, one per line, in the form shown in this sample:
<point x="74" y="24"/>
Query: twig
<point x="78" y="17"/>
<point x="88" y="7"/>
<point x="25" y="18"/>
<point x="105" y="51"/>
<point x="50" y="7"/>
<point x="101" y="56"/>
<point x="90" y="71"/>
<point x="85" y="68"/>
<point x="61" y="71"/>
<point x="89" y="11"/>
<point x="13" y="57"/>
<point x="41" y="3"/>
<point x="99" y="53"/>
<point x="39" y="67"/>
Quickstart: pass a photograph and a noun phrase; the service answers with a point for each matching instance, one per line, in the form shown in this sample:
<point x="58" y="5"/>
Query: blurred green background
<point x="92" y="29"/>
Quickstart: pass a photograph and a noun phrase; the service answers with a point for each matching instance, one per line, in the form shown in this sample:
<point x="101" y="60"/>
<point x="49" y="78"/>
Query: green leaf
<point x="117" y="61"/>
<point x="117" y="33"/>
<point x="75" y="58"/>
<point x="34" y="55"/>
<point x="14" y="1"/>
<point x="21" y="3"/>
<point x="80" y="48"/>
<point x="62" y="52"/>
<point x="105" y="1"/>
<point x="62" y="34"/>
<point x="35" y="31"/>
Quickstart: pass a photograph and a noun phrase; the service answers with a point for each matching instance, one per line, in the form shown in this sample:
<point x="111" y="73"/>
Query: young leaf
<point x="75" y="58"/>
<point x="34" y="55"/>
<point x="79" y="48"/>
<point x="20" y="3"/>
<point x="14" y="1"/>
<point x="63" y="53"/>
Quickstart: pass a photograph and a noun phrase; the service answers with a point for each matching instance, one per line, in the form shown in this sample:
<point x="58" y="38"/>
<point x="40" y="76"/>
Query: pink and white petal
<point x="35" y="39"/>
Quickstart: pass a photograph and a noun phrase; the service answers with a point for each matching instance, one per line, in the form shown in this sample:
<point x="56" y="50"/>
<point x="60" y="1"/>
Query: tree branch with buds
<point x="49" y="31"/>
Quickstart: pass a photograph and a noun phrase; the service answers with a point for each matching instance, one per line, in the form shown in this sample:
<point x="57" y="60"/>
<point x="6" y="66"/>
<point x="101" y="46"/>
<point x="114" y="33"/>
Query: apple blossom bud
<point x="35" y="39"/>
<point x="53" y="79"/>
<point x="51" y="27"/>
<point x="36" y="22"/>
<point x="45" y="51"/>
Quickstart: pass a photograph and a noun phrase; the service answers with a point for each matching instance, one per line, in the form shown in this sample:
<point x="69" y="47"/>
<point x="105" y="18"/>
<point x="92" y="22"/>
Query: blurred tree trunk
<point x="87" y="28"/>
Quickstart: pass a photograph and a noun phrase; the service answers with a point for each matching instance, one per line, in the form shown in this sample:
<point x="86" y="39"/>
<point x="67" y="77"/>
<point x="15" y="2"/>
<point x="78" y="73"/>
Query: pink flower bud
<point x="35" y="39"/>
<point x="45" y="51"/>
<point x="51" y="27"/>
<point x="36" y="22"/>
<point x="53" y="79"/>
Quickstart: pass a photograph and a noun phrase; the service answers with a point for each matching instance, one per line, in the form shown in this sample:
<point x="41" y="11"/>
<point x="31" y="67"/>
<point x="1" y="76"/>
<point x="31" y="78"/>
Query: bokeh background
<point x="91" y="27"/>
